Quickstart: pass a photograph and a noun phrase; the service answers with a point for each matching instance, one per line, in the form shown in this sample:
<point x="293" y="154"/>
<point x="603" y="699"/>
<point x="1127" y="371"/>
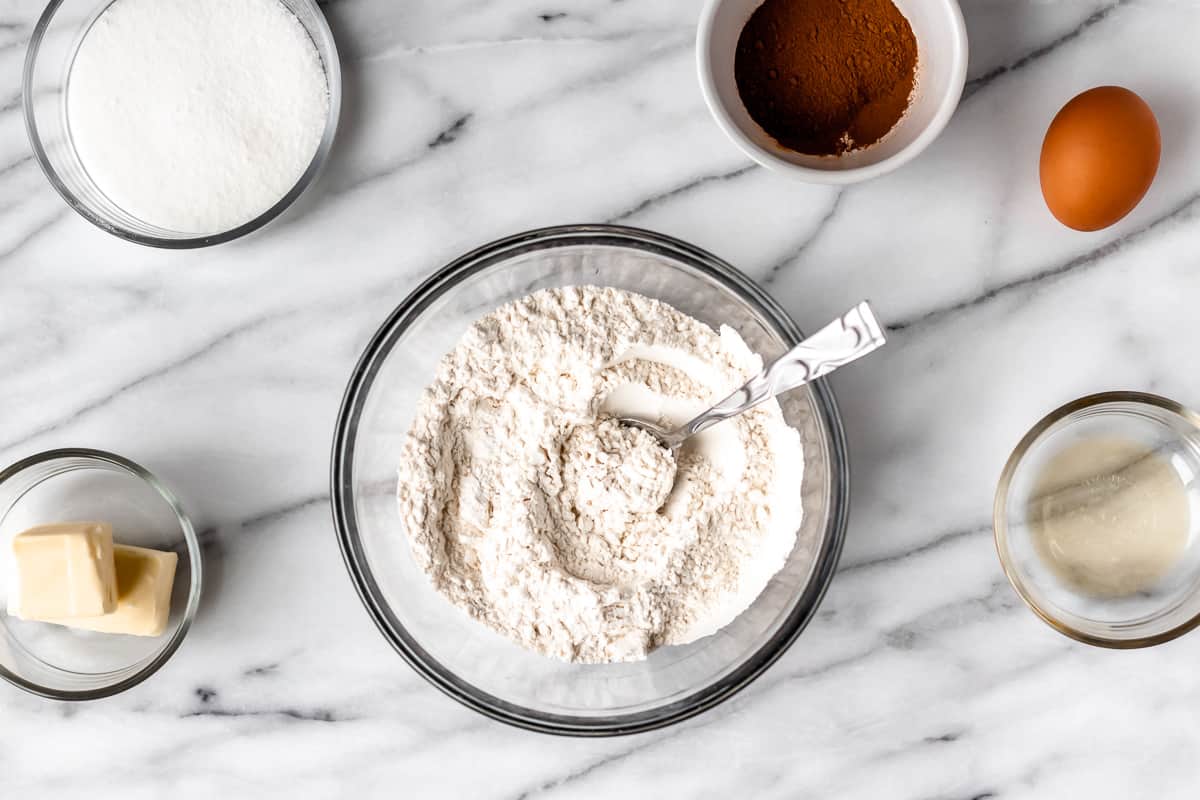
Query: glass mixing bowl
<point x="52" y="48"/>
<point x="462" y="657"/>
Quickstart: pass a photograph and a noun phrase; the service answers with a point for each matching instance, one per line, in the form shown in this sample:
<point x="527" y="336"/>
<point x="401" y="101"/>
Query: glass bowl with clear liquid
<point x="1097" y="519"/>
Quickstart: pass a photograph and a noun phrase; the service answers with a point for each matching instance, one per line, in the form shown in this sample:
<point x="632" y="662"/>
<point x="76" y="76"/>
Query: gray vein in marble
<point x="577" y="774"/>
<point x="141" y="380"/>
<point x="1080" y="263"/>
<point x="711" y="718"/>
<point x="933" y="544"/>
<point x="608" y="760"/>
<point x="794" y="254"/>
<point x="209" y="538"/>
<point x="906" y="636"/>
<point x="373" y="176"/>
<point x="903" y="749"/>
<point x="287" y="714"/>
<point x="34" y="232"/>
<point x="659" y="49"/>
<point x="976" y="84"/>
<point x="435" y="739"/>
<point x="451" y="132"/>
<point x="14" y="203"/>
<point x="763" y="687"/>
<point x="447" y="134"/>
<point x="12" y="165"/>
<point x="261" y="670"/>
<point x="999" y="599"/>
<point x="680" y="190"/>
<point x="400" y="51"/>
<point x="276" y="514"/>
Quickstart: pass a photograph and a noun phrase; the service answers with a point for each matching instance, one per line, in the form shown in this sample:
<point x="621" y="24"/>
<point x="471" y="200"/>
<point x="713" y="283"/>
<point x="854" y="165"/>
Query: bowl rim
<point x="333" y="77"/>
<point x="195" y="564"/>
<point x="937" y="123"/>
<point x="342" y="500"/>
<point x="1000" y="515"/>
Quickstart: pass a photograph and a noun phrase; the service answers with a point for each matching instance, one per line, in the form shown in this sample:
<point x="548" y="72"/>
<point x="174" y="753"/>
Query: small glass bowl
<point x="52" y="48"/>
<point x="1156" y="613"/>
<point x="82" y="485"/>
<point x="459" y="655"/>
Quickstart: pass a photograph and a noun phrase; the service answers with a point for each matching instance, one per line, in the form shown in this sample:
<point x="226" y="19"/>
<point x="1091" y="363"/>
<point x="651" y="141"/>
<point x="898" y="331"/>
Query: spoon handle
<point x="847" y="339"/>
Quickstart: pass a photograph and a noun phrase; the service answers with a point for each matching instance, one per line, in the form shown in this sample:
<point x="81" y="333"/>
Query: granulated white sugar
<point x="196" y="116"/>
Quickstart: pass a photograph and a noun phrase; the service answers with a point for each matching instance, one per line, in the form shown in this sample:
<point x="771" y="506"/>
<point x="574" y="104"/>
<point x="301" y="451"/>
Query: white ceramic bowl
<point x="941" y="72"/>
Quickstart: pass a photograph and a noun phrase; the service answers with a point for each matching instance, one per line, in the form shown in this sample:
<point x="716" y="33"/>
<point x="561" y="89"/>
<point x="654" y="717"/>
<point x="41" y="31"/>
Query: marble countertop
<point x="923" y="675"/>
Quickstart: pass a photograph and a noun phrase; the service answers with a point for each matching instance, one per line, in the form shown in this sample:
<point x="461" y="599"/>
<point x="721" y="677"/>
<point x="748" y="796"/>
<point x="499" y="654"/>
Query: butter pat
<point x="63" y="571"/>
<point x="144" y="582"/>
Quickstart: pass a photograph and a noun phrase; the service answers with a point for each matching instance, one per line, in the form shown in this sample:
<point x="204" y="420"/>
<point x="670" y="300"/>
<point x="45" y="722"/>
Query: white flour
<point x="539" y="516"/>
<point x="196" y="115"/>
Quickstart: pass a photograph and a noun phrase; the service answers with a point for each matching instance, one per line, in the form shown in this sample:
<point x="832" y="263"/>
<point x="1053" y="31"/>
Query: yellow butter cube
<point x="62" y="571"/>
<point x="144" y="581"/>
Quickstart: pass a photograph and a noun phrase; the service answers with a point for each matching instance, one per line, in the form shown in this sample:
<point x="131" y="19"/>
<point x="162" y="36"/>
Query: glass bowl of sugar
<point x="178" y="124"/>
<point x="1097" y="519"/>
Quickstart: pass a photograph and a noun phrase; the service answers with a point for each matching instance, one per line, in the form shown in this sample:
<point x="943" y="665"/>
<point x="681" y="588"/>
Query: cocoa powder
<point x="826" y="76"/>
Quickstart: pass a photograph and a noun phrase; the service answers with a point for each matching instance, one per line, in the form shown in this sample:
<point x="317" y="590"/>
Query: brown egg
<point x="1099" y="157"/>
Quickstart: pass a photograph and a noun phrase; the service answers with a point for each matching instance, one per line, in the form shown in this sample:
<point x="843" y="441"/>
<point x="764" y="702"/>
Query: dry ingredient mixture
<point x="196" y="116"/>
<point x="824" y="77"/>
<point x="574" y="536"/>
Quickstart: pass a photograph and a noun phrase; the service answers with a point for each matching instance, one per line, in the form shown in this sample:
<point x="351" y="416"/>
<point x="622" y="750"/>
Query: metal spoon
<point x="847" y="339"/>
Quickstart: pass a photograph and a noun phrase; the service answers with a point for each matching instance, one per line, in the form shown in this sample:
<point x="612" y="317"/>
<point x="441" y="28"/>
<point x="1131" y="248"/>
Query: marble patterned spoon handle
<point x="846" y="339"/>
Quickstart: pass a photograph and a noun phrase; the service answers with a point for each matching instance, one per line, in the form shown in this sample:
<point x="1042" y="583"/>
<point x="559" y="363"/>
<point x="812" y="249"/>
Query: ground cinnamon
<point x="826" y="76"/>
